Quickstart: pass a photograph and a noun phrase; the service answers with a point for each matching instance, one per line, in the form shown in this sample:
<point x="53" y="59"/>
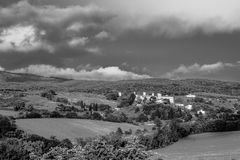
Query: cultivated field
<point x="8" y="113"/>
<point x="70" y="128"/>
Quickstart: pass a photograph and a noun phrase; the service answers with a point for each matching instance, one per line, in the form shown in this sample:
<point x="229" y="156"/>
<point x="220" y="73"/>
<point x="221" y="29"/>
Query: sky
<point x="118" y="40"/>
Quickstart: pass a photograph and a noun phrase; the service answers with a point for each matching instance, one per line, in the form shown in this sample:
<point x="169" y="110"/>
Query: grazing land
<point x="70" y="128"/>
<point x="8" y="113"/>
<point x="51" y="107"/>
<point x="206" y="146"/>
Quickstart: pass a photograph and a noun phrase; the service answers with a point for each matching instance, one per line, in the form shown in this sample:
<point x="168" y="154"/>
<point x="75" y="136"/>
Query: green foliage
<point x="19" y="106"/>
<point x="6" y="125"/>
<point x="50" y="94"/>
<point x="111" y="146"/>
<point x="33" y="115"/>
<point x="116" y="117"/>
<point x="142" y="118"/>
<point x="96" y="116"/>
<point x="62" y="100"/>
<point x="55" y="114"/>
<point x="112" y="96"/>
<point x="19" y="149"/>
<point x="126" y="100"/>
<point x="71" y="115"/>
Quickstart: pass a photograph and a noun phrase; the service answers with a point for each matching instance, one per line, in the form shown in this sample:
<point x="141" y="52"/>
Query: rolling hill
<point x="165" y="86"/>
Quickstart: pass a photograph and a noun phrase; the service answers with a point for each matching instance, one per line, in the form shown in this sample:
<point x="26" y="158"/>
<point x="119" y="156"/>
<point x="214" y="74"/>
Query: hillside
<point x="20" y="77"/>
<point x="165" y="86"/>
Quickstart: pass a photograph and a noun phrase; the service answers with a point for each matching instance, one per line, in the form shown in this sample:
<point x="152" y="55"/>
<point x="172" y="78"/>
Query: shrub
<point x="55" y="114"/>
<point x="6" y="125"/>
<point x="50" y="95"/>
<point x="33" y="115"/>
<point x="71" y="115"/>
<point x="142" y="118"/>
<point x="119" y="131"/>
<point x="19" y="106"/>
<point x="96" y="116"/>
<point x="19" y="149"/>
<point x="62" y="100"/>
<point x="112" y="96"/>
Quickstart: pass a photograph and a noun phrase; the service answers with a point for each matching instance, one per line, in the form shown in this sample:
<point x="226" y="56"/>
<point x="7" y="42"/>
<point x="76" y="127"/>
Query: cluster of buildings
<point x="158" y="98"/>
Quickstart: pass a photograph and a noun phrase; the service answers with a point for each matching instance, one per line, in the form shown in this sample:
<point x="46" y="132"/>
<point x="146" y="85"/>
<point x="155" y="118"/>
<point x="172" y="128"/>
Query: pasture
<point x="71" y="128"/>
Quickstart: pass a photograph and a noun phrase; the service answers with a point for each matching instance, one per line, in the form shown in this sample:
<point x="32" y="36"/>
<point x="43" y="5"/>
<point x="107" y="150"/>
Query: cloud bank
<point x="25" y="27"/>
<point x="197" y="70"/>
<point x="106" y="74"/>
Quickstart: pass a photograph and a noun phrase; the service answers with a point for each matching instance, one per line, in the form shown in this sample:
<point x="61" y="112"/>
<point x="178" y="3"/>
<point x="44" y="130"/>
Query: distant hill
<point x="23" y="77"/>
<point x="165" y="86"/>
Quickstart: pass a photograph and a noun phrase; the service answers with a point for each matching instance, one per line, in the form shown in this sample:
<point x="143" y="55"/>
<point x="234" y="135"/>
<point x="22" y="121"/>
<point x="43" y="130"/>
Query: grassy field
<point x="43" y="103"/>
<point x="205" y="146"/>
<point x="70" y="128"/>
<point x="8" y="112"/>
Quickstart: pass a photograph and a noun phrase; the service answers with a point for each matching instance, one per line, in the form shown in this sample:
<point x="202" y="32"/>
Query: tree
<point x="71" y="115"/>
<point x="131" y="98"/>
<point x="119" y="131"/>
<point x="142" y="118"/>
<point x="96" y="116"/>
<point x="112" y="96"/>
<point x="6" y="124"/>
<point x="158" y="122"/>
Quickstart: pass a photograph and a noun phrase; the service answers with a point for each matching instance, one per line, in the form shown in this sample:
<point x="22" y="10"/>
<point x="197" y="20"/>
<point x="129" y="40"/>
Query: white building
<point x="191" y="96"/>
<point x="144" y="94"/>
<point x="189" y="107"/>
<point x="120" y="94"/>
<point x="201" y="112"/>
<point x="171" y="99"/>
<point x="179" y="105"/>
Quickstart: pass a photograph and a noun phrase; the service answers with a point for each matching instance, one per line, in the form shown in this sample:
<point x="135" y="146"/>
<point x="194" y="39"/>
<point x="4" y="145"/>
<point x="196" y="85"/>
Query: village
<point x="184" y="102"/>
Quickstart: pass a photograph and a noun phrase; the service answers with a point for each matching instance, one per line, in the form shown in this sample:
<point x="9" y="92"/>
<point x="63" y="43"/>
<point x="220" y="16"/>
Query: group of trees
<point x="164" y="112"/>
<point x="17" y="145"/>
<point x="126" y="100"/>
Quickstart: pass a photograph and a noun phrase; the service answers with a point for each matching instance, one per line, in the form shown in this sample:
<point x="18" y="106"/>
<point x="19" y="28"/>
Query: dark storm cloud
<point x="5" y="3"/>
<point x="52" y="27"/>
<point x="153" y="36"/>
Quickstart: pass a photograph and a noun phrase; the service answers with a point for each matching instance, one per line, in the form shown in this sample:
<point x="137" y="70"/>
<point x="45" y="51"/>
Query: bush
<point x="62" y="100"/>
<point x="126" y="101"/>
<point x="6" y="125"/>
<point x="50" y="95"/>
<point x="55" y="114"/>
<point x="19" y="106"/>
<point x="142" y="118"/>
<point x="112" y="96"/>
<point x="33" y="115"/>
<point x="96" y="116"/>
<point x="18" y="149"/>
<point x="71" y="115"/>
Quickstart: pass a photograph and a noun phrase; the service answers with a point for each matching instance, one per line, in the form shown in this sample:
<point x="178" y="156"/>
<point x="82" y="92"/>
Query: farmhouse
<point x="191" y="96"/>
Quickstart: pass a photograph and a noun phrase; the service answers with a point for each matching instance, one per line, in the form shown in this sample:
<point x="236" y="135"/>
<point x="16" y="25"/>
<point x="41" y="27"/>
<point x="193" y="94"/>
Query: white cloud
<point x="23" y="24"/>
<point x="94" y="50"/>
<point x="107" y="73"/>
<point x="102" y="35"/>
<point x="75" y="27"/>
<point x="196" y="69"/>
<point x="22" y="38"/>
<point x="80" y="41"/>
<point x="2" y="69"/>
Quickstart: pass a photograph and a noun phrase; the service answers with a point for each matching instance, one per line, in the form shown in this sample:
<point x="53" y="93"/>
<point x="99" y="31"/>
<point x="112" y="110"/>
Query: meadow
<point x="70" y="128"/>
